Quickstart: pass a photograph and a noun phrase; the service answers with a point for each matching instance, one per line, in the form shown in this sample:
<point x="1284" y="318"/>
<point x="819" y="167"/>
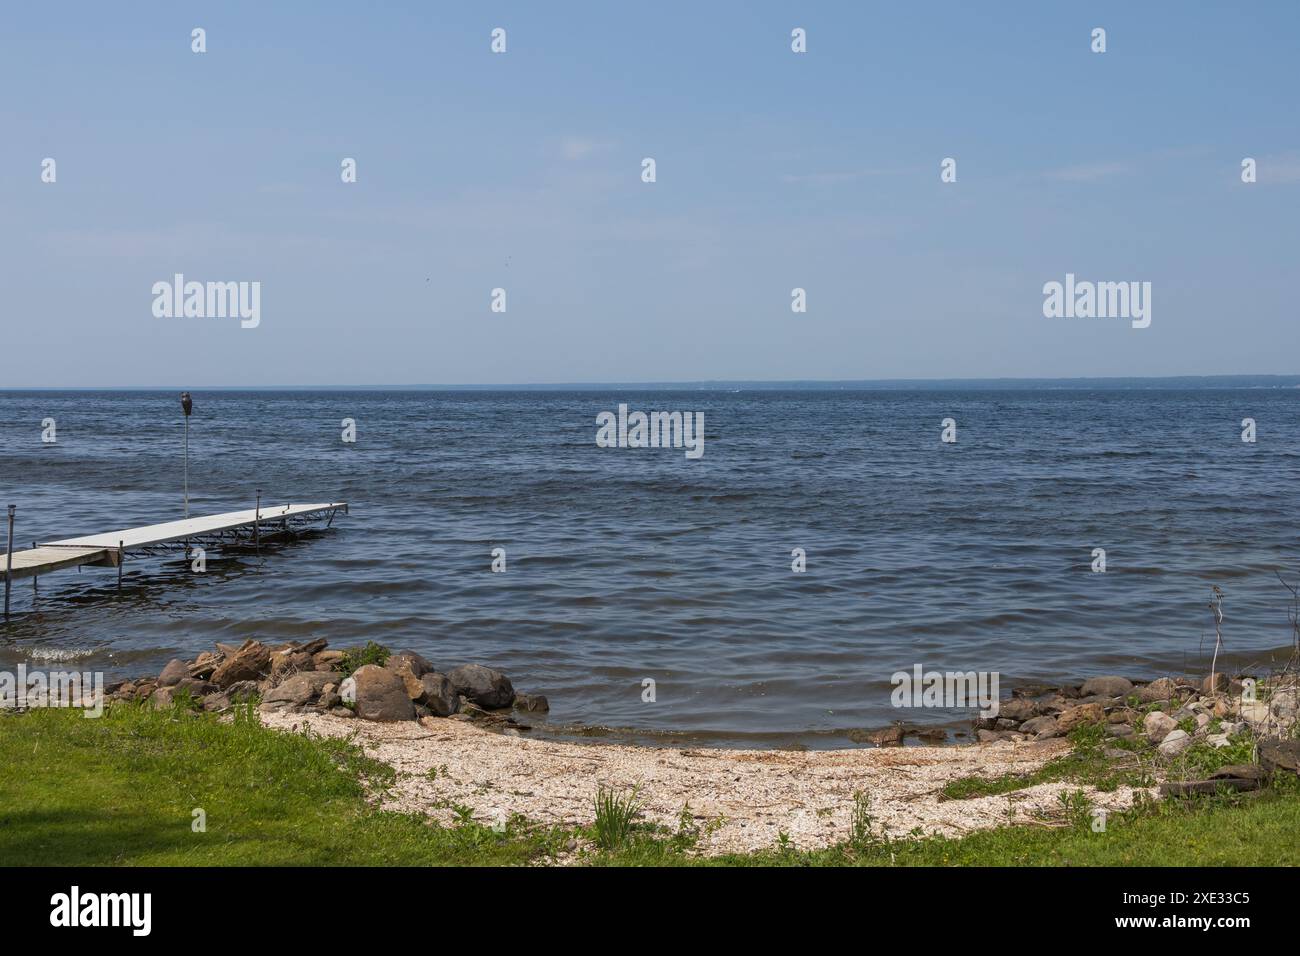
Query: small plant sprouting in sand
<point x="356" y="657"/>
<point x="862" y="835"/>
<point x="1076" y="805"/>
<point x="615" y="812"/>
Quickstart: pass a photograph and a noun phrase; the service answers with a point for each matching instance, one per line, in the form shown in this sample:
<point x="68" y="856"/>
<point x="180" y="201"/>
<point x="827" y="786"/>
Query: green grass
<point x="356" y="657"/>
<point x="1085" y="764"/>
<point x="121" y="790"/>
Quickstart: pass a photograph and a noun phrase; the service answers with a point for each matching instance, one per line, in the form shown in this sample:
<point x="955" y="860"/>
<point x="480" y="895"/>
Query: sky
<point x="522" y="171"/>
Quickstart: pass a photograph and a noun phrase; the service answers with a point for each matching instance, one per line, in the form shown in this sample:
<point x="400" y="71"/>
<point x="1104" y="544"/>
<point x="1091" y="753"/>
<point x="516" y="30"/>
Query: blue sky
<point x="522" y="171"/>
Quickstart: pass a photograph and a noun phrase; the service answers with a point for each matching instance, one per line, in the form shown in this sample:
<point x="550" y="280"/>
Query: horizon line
<point x="668" y="384"/>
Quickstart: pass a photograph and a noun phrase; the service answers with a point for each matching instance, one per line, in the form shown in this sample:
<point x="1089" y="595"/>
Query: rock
<point x="1240" y="771"/>
<point x="1284" y="704"/>
<point x="1080" y="715"/>
<point x="329" y="700"/>
<point x="249" y="662"/>
<point x="439" y="694"/>
<point x="1114" y="753"/>
<point x="380" y="694"/>
<point x="410" y="660"/>
<point x="172" y="673"/>
<point x="989" y="736"/>
<point x="1158" y="725"/>
<point x="298" y="689"/>
<point x="1106" y="687"/>
<point x="314" y="647"/>
<point x="215" y="703"/>
<point x="1217" y="740"/>
<point x="345" y="712"/>
<point x="483" y="685"/>
<point x="1214" y="684"/>
<point x="533" y="703"/>
<point x="288" y="662"/>
<point x="1030" y="690"/>
<point x="1203" y="721"/>
<point x="1018" y="709"/>
<point x="204" y="665"/>
<point x="1160" y="689"/>
<point x="885" y="736"/>
<point x="327" y="660"/>
<point x="1254" y="711"/>
<point x="243" y="690"/>
<point x="1119" y="730"/>
<point x="1174" y="743"/>
<point x="225" y="650"/>
<point x="1041" y="728"/>
<point x="1280" y="755"/>
<point x="1122" y="715"/>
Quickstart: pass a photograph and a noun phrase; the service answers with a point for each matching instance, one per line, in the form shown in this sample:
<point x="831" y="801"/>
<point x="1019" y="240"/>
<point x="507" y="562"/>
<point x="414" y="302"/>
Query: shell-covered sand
<point x="749" y="796"/>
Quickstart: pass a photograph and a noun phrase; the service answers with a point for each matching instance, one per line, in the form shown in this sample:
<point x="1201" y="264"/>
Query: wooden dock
<point x="111" y="548"/>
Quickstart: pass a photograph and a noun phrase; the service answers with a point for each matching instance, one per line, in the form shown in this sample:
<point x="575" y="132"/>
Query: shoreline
<point x="744" y="799"/>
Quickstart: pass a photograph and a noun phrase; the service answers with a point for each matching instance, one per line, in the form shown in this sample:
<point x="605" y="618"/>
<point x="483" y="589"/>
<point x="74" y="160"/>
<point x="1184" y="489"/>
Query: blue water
<point x="627" y="563"/>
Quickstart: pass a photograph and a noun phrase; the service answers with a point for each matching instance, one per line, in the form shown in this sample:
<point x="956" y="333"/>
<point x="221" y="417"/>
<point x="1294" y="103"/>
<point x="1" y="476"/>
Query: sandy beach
<point x="750" y="797"/>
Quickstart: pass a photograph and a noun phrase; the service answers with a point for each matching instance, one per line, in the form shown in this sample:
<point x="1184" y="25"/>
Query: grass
<point x="1085" y="764"/>
<point x="356" y="657"/>
<point x="123" y="790"/>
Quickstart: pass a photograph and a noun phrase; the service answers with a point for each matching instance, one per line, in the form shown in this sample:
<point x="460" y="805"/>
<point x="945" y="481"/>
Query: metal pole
<point x="187" y="466"/>
<point x="9" y="559"/>
<point x="35" y="576"/>
<point x="121" y="557"/>
<point x="257" y="516"/>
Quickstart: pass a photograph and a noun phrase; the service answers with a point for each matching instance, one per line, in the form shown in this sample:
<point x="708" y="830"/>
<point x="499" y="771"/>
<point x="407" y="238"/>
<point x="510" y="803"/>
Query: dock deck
<point x="108" y="548"/>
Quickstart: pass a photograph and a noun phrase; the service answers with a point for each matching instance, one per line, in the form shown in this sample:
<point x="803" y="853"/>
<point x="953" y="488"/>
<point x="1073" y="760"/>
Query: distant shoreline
<point x="1168" y="382"/>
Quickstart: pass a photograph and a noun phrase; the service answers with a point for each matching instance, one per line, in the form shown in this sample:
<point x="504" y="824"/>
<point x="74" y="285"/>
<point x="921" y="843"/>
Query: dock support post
<point x="121" y="557"/>
<point x="35" y="577"/>
<point x="257" y="516"/>
<point x="9" y="560"/>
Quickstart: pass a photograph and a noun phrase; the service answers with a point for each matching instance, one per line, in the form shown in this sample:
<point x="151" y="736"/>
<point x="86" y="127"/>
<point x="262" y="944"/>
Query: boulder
<point x="243" y="690"/>
<point x="1280" y="755"/>
<point x="215" y="703"/>
<point x="173" y="672"/>
<point x="1284" y="704"/>
<point x="1119" y="730"/>
<point x="1106" y="687"/>
<point x="327" y="660"/>
<point x="535" y="703"/>
<point x="298" y="689"/>
<point x="439" y="694"/>
<point x="1019" y="709"/>
<point x="379" y="694"/>
<point x="892" y="736"/>
<point x="345" y="712"/>
<point x="1080" y="715"/>
<point x="1042" y="728"/>
<point x="1214" y="684"/>
<point x="1160" y="689"/>
<point x="290" y="662"/>
<point x="483" y="685"/>
<point x="204" y="665"/>
<point x="408" y="660"/>
<point x="250" y="661"/>
<point x="1174" y="743"/>
<point x="1157" y="725"/>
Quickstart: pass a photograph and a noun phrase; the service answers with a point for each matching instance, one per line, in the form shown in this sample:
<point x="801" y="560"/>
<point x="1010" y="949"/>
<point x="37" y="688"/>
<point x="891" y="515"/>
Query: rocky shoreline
<point x="1161" y="718"/>
<point x="370" y="683"/>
